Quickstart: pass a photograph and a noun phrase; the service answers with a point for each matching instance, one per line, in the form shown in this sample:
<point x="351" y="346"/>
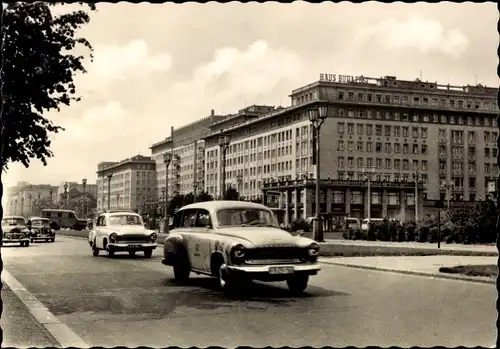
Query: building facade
<point x="387" y="129"/>
<point x="127" y="184"/>
<point x="24" y="198"/>
<point x="187" y="145"/>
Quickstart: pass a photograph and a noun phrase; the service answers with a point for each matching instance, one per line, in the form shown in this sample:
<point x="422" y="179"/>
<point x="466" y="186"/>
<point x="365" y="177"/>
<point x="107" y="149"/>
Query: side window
<point x="71" y="215"/>
<point x="189" y="218"/>
<point x="203" y="219"/>
<point x="103" y="221"/>
<point x="176" y="223"/>
<point x="59" y="214"/>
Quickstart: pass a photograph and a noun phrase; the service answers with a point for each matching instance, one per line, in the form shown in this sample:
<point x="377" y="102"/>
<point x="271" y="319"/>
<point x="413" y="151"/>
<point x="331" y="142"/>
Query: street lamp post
<point x="368" y="178"/>
<point x="84" y="211"/>
<point x="167" y="159"/>
<point x="66" y="195"/>
<point x="416" y="198"/>
<point x="117" y="201"/>
<point x="109" y="176"/>
<point x="317" y="117"/>
<point x="195" y="189"/>
<point x="239" y="180"/>
<point x="224" y="145"/>
<point x="30" y="197"/>
<point x="447" y="186"/>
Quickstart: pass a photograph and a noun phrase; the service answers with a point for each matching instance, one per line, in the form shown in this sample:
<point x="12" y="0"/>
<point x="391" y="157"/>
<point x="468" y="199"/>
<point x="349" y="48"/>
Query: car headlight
<point x="113" y="237"/>
<point x="153" y="237"/>
<point x="313" y="249"/>
<point x="238" y="252"/>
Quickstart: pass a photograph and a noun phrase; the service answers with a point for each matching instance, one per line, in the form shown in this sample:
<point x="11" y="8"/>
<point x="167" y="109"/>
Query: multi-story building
<point x="187" y="169"/>
<point x="392" y="131"/>
<point x="89" y="188"/>
<point x="127" y="184"/>
<point x="23" y="198"/>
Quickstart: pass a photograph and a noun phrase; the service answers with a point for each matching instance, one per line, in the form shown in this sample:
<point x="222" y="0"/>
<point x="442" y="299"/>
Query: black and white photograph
<point x="249" y="174"/>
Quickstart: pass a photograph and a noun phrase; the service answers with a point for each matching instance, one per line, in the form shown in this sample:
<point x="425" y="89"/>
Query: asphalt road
<point x="133" y="301"/>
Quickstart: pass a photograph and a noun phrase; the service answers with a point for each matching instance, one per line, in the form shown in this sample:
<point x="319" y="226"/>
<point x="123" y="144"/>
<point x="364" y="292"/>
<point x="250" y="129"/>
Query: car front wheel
<point x="148" y="253"/>
<point x="297" y="283"/>
<point x="181" y="268"/>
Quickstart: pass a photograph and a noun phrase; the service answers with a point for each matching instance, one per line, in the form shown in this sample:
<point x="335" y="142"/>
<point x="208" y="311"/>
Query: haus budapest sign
<point x="343" y="78"/>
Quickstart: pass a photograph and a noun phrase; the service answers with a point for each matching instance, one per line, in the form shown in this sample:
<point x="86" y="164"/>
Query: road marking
<point x="62" y="333"/>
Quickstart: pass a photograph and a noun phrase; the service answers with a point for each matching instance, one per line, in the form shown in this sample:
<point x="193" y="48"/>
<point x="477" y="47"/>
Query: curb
<point x="417" y="273"/>
<point x="60" y="331"/>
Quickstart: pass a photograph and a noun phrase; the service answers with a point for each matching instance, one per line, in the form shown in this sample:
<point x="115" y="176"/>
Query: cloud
<point x="418" y="33"/>
<point x="116" y="63"/>
<point x="250" y="72"/>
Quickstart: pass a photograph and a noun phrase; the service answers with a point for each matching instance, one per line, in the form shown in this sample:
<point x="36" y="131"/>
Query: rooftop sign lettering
<point x="343" y="78"/>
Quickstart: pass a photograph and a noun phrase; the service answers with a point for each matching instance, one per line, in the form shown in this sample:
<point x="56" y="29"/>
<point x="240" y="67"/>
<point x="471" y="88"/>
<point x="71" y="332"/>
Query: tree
<point x="38" y="47"/>
<point x="204" y="196"/>
<point x="39" y="204"/>
<point x="78" y="202"/>
<point x="175" y="202"/>
<point x="231" y="194"/>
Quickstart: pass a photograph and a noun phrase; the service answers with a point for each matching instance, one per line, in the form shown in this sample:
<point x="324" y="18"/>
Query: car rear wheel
<point x="297" y="283"/>
<point x="148" y="253"/>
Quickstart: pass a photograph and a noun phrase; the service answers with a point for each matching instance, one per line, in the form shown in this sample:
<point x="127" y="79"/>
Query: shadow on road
<point x="263" y="292"/>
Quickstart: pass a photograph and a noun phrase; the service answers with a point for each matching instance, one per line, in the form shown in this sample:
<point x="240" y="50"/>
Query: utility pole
<point x="109" y="189"/>
<point x="167" y="159"/>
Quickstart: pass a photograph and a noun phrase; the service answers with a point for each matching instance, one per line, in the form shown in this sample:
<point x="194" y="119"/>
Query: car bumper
<point x="278" y="272"/>
<point x="9" y="240"/>
<point x="131" y="246"/>
<point x="43" y="236"/>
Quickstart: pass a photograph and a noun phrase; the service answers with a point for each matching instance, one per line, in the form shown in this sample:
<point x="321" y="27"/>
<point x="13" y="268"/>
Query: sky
<point x="162" y="65"/>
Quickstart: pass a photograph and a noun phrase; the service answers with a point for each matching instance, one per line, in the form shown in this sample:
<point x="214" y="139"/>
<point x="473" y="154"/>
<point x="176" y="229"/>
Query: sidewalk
<point x="422" y="245"/>
<point x="416" y="265"/>
<point x="20" y="329"/>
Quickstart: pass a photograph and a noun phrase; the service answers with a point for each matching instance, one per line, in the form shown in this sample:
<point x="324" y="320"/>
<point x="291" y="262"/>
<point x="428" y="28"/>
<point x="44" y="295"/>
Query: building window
<point x="369" y="130"/>
<point x="338" y="197"/>
<point x="340" y="95"/>
<point x="360" y="129"/>
<point x="405" y="132"/>
<point x="397" y="131"/>
<point x="341" y="145"/>
<point x="350" y="129"/>
<point x="424" y="149"/>
<point x="360" y="146"/>
<point x="378" y="147"/>
<point x="387" y="131"/>
<point x="341" y="127"/>
<point x="378" y="130"/>
<point x="341" y="161"/>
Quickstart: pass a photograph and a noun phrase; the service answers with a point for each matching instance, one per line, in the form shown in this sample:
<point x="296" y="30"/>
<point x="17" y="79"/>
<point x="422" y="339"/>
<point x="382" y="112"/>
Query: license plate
<point x="281" y="270"/>
<point x="134" y="246"/>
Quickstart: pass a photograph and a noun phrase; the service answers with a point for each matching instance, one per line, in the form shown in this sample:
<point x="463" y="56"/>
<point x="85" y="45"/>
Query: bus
<point x="63" y="219"/>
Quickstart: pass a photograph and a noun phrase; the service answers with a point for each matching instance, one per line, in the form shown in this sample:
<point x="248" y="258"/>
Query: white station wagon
<point x="121" y="231"/>
<point x="237" y="242"/>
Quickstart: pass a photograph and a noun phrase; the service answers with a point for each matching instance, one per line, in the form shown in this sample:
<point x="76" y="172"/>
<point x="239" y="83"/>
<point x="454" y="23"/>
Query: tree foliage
<point x="231" y="194"/>
<point x="78" y="202"/>
<point x="180" y="200"/>
<point x="39" y="65"/>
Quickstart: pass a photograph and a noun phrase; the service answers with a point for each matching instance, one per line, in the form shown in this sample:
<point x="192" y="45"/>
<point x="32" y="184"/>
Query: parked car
<point x="39" y="229"/>
<point x="365" y="225"/>
<point x="121" y="232"/>
<point x="236" y="242"/>
<point x="352" y="223"/>
<point x="13" y="228"/>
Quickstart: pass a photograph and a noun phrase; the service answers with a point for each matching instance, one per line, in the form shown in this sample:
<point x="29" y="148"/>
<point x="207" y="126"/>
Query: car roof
<point x="118" y="213"/>
<point x="38" y="218"/>
<point x="223" y="204"/>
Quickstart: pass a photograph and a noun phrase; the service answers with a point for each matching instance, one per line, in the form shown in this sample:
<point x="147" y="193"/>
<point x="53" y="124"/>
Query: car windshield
<point x="243" y="217"/>
<point x="41" y="222"/>
<point x="13" y="221"/>
<point x="125" y="219"/>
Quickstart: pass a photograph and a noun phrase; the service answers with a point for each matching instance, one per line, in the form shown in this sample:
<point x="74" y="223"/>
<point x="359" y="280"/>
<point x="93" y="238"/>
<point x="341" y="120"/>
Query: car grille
<point x="14" y="235"/>
<point x="276" y="253"/>
<point x="133" y="238"/>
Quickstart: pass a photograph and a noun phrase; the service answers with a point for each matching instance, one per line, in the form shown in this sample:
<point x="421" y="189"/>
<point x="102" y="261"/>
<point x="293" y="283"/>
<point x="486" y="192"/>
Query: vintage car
<point x="14" y="230"/>
<point x="236" y="242"/>
<point x="121" y="231"/>
<point x="39" y="229"/>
